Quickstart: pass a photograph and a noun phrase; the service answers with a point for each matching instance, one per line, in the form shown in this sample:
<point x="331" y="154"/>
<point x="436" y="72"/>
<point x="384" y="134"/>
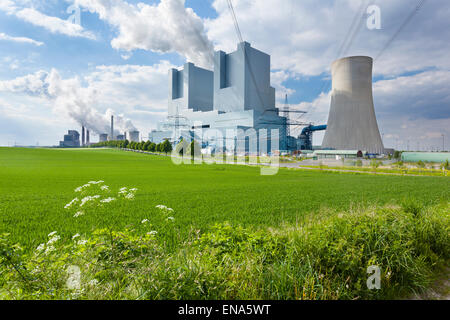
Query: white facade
<point x="236" y="95"/>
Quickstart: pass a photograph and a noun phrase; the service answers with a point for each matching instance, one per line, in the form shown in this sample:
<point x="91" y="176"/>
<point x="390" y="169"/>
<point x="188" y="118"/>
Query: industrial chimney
<point x="352" y="124"/>
<point x="83" y="139"/>
<point x="88" y="137"/>
<point x="112" y="128"/>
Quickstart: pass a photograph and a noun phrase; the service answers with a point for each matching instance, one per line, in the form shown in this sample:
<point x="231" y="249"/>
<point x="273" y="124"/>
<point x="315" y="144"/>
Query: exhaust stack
<point x="112" y="129"/>
<point x="83" y="137"/>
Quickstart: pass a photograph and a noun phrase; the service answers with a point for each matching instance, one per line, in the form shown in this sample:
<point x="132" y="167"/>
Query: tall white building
<point x="236" y="95"/>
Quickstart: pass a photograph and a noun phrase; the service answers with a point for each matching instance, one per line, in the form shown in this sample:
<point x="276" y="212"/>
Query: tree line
<point x="164" y="146"/>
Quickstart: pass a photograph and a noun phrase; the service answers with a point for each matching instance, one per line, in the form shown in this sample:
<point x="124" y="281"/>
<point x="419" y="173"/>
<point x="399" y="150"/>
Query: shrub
<point x="326" y="258"/>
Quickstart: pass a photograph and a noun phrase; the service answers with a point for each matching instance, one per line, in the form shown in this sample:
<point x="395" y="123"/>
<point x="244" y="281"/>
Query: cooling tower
<point x="352" y="124"/>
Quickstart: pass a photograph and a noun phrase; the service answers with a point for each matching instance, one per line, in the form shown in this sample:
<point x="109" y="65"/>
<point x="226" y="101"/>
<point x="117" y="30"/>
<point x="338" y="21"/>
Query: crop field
<point x="37" y="184"/>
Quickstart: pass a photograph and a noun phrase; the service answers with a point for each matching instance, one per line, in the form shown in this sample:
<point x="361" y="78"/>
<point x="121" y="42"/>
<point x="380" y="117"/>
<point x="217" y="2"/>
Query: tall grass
<point x="324" y="258"/>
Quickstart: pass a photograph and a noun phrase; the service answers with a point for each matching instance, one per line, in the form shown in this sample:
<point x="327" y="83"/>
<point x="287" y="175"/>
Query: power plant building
<point x="134" y="136"/>
<point x="71" y="140"/>
<point x="236" y="95"/>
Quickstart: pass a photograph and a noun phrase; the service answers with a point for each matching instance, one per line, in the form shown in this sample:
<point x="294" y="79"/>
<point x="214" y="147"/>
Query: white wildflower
<point x="51" y="234"/>
<point x="144" y="221"/>
<point x="78" y="214"/>
<point x="40" y="247"/>
<point x="123" y="190"/>
<point x="96" y="182"/>
<point x="87" y="199"/>
<point x="160" y="206"/>
<point x="107" y="200"/>
<point x="81" y="188"/>
<point x="49" y="249"/>
<point x="71" y="203"/>
<point x="104" y="188"/>
<point x="152" y="233"/>
<point x="75" y="236"/>
<point x="93" y="282"/>
<point x="82" y="242"/>
<point x="53" y="239"/>
<point x="133" y="189"/>
<point x="170" y="218"/>
<point x="130" y="196"/>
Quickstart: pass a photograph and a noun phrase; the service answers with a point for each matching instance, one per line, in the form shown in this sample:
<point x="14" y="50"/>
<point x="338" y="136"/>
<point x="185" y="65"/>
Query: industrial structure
<point x="134" y="136"/>
<point x="71" y="140"/>
<point x="352" y="124"/>
<point x="426" y="156"/>
<point x="236" y="95"/>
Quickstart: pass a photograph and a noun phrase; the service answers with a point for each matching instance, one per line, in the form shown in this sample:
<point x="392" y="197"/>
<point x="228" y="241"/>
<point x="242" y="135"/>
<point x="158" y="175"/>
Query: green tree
<point x="152" y="147"/>
<point x="166" y="146"/>
<point x="147" y="145"/>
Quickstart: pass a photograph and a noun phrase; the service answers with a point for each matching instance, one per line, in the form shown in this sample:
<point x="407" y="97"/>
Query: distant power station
<point x="237" y="95"/>
<point x="352" y="124"/>
<point x="72" y="139"/>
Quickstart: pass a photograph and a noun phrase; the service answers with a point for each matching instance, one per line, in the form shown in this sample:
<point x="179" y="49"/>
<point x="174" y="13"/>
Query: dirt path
<point x="440" y="290"/>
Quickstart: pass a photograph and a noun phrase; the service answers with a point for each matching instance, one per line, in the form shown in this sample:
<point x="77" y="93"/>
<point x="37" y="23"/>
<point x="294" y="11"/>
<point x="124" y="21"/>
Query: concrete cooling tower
<point x="352" y="124"/>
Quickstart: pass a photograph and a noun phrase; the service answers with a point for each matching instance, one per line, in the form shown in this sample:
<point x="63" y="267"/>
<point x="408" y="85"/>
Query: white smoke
<point x="69" y="97"/>
<point x="165" y="27"/>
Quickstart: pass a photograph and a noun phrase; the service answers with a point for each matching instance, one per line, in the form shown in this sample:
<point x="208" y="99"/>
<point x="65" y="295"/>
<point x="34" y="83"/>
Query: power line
<point x="351" y="34"/>
<point x="236" y="25"/>
<point x="408" y="19"/>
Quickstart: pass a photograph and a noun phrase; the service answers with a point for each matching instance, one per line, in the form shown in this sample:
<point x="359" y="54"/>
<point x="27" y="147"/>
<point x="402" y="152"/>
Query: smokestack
<point x="83" y="140"/>
<point x="87" y="137"/>
<point x="112" y="128"/>
<point x="352" y="124"/>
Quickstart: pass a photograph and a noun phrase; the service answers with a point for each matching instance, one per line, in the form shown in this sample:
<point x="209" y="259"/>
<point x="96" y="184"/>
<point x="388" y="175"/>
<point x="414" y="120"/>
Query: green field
<point x="35" y="184"/>
<point x="232" y="234"/>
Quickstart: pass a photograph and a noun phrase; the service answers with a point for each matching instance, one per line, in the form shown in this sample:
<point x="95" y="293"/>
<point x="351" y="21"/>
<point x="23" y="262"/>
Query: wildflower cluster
<point x="166" y="211"/>
<point x="95" y="194"/>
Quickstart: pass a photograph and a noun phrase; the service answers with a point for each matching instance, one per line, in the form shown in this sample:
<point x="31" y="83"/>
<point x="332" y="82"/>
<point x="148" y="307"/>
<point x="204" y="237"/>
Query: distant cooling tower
<point x="352" y="124"/>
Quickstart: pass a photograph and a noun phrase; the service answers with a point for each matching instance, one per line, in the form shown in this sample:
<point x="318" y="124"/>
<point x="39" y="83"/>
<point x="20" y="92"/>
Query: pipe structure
<point x="83" y="137"/>
<point x="88" y="137"/>
<point x="112" y="128"/>
<point x="352" y="124"/>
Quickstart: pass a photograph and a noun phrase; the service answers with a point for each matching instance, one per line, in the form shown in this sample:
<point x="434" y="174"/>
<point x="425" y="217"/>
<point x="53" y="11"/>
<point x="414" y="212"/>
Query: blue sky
<point x="54" y="75"/>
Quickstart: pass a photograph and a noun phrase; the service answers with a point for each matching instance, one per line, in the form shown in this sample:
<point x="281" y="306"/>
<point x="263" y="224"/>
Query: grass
<point x="35" y="184"/>
<point x="235" y="235"/>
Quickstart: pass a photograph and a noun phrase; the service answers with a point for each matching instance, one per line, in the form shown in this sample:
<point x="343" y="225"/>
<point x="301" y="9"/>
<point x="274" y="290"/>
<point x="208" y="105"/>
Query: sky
<point x="67" y="62"/>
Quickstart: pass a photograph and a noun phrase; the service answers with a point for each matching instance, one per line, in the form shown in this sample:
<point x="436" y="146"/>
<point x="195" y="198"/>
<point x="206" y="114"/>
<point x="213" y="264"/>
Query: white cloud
<point x="6" y="37"/>
<point x="165" y="27"/>
<point x="304" y="37"/>
<point x="53" y="24"/>
<point x="107" y="90"/>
